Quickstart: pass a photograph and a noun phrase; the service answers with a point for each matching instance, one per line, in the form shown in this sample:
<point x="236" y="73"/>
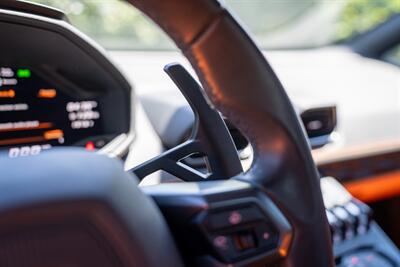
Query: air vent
<point x="239" y="139"/>
<point x="319" y="124"/>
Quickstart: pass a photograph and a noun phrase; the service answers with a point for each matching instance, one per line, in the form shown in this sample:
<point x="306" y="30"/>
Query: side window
<point x="393" y="55"/>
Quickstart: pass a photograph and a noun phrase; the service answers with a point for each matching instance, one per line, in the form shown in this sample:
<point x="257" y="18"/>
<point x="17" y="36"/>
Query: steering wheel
<point x="81" y="209"/>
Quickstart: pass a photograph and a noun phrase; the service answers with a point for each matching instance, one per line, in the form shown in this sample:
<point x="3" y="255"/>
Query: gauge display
<point x="36" y="115"/>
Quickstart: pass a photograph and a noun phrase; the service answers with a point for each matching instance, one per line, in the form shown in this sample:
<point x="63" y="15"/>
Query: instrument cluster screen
<point x="36" y="115"/>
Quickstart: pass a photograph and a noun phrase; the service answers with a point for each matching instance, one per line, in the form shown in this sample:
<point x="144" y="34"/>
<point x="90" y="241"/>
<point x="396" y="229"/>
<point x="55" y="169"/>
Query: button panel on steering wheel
<point x="224" y="223"/>
<point x="237" y="232"/>
<point x="243" y="229"/>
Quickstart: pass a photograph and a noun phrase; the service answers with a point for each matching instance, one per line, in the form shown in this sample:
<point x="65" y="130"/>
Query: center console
<point x="358" y="240"/>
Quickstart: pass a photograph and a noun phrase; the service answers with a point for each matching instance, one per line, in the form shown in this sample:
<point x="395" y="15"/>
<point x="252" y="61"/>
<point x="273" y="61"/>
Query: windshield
<point x="275" y="24"/>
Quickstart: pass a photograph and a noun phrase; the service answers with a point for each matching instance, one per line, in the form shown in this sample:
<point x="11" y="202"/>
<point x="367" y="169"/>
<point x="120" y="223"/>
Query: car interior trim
<point x="335" y="154"/>
<point x="375" y="188"/>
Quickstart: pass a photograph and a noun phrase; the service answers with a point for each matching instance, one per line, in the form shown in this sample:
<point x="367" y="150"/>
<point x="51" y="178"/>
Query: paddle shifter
<point x="210" y="138"/>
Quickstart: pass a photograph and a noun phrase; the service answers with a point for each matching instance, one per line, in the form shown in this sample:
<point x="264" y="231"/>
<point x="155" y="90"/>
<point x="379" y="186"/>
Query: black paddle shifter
<point x="210" y="138"/>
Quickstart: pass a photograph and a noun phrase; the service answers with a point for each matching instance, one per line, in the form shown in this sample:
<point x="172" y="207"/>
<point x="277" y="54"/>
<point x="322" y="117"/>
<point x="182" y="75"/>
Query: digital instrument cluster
<point x="36" y="115"/>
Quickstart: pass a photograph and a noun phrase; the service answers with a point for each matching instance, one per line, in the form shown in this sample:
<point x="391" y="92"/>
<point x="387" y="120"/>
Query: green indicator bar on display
<point x="23" y="73"/>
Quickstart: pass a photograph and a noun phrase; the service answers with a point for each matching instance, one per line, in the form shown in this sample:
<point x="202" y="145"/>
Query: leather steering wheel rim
<point x="241" y="84"/>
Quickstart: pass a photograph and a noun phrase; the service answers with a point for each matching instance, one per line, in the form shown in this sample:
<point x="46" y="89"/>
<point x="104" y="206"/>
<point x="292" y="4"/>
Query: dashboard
<point x="38" y="114"/>
<point x="49" y="98"/>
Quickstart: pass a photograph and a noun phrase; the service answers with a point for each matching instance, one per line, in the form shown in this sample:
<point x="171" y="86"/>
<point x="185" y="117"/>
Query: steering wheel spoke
<point x="169" y="161"/>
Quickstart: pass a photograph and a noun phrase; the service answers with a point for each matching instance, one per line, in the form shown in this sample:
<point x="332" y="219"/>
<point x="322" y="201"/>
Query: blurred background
<point x="276" y="24"/>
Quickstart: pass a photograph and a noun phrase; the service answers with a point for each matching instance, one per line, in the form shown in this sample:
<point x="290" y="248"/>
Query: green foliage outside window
<point x="359" y="16"/>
